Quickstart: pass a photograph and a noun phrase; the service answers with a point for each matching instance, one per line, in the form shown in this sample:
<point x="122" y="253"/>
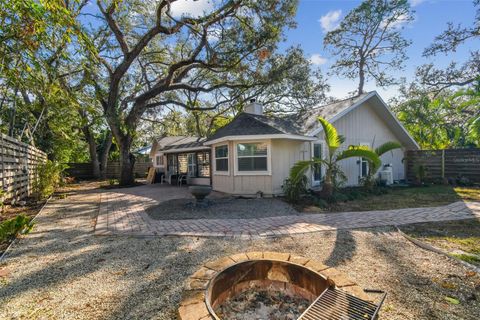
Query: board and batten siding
<point x="240" y="184"/>
<point x="285" y="153"/>
<point x="363" y="125"/>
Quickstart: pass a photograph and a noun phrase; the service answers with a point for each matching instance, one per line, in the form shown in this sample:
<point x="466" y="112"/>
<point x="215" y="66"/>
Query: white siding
<point x="285" y="153"/>
<point x="364" y="125"/>
<point x="240" y="185"/>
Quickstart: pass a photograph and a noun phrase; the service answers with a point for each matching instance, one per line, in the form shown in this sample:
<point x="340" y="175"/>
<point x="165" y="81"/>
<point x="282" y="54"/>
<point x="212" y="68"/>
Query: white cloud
<point x="317" y="59"/>
<point x="194" y="8"/>
<point x="331" y="20"/>
<point x="415" y="3"/>
<point x="401" y="20"/>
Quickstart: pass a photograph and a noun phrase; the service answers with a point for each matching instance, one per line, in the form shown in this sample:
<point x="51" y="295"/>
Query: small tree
<point x="369" y="180"/>
<point x="333" y="141"/>
<point x="368" y="41"/>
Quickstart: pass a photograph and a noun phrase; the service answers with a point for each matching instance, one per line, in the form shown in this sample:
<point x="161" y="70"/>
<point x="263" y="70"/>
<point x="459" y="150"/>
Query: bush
<point x="294" y="190"/>
<point x="12" y="227"/>
<point x="49" y="177"/>
<point x="321" y="203"/>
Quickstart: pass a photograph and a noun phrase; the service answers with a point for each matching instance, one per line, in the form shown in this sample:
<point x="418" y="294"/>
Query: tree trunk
<point x="92" y="149"/>
<point x="127" y="161"/>
<point x="361" y="76"/>
<point x="107" y="144"/>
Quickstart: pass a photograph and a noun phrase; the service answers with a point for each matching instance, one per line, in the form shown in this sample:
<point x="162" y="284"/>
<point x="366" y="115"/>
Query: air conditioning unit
<point x="386" y="175"/>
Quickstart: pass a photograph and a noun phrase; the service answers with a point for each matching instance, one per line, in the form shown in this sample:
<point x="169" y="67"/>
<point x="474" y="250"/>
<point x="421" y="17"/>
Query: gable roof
<point x="309" y="120"/>
<point x="306" y="125"/>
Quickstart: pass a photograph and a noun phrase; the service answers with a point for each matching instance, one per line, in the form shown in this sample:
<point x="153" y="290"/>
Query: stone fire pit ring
<point x="208" y="286"/>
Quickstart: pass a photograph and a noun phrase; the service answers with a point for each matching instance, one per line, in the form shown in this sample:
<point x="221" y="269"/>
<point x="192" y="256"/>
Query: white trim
<point x="357" y="104"/>
<point x="360" y="159"/>
<point x="397" y="121"/>
<point x="322" y="142"/>
<point x="202" y="148"/>
<point x="214" y="161"/>
<point x="260" y="137"/>
<point x="344" y="112"/>
<point x="268" y="172"/>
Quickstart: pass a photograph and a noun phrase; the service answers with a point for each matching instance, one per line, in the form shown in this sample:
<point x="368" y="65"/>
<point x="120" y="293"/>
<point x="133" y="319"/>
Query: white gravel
<point x="62" y="271"/>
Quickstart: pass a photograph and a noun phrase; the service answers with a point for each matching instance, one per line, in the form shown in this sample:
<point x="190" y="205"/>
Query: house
<point x="178" y="156"/>
<point x="254" y="152"/>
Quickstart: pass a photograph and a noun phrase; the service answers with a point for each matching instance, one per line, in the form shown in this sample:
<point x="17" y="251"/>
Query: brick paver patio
<point x="122" y="213"/>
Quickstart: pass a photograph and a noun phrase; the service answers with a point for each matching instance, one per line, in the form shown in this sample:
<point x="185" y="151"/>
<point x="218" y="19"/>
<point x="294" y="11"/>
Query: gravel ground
<point x="220" y="208"/>
<point x="62" y="271"/>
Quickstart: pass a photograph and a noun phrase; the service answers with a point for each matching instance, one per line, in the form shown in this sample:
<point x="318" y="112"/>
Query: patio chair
<point x="181" y="179"/>
<point x="166" y="178"/>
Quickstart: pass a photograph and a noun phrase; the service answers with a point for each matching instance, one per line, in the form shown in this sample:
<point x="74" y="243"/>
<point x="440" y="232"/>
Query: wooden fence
<point x="84" y="170"/>
<point x="448" y="163"/>
<point x="18" y="167"/>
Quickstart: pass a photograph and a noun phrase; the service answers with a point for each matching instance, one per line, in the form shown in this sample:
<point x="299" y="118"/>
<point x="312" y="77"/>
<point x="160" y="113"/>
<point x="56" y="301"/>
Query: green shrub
<point x="12" y="227"/>
<point x="49" y="177"/>
<point x="319" y="202"/>
<point x="295" y="189"/>
<point x="112" y="182"/>
<point x="338" y="197"/>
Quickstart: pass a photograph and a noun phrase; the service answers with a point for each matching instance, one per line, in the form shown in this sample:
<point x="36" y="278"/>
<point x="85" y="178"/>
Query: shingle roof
<point x="247" y="124"/>
<point x="309" y="120"/>
<point x="186" y="143"/>
<point x="253" y="124"/>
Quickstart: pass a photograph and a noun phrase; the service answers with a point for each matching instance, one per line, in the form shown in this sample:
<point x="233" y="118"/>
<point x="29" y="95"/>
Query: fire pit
<point x="260" y="285"/>
<point x="271" y="289"/>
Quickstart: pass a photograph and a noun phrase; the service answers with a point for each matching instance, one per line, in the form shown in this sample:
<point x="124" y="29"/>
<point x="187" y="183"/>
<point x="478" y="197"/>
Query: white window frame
<point x="162" y="160"/>
<point x="360" y="176"/>
<point x="316" y="183"/>
<point x="268" y="172"/>
<point x="214" y="160"/>
<point x="192" y="165"/>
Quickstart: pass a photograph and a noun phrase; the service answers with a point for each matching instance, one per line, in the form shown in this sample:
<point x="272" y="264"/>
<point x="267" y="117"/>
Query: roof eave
<point x="260" y="137"/>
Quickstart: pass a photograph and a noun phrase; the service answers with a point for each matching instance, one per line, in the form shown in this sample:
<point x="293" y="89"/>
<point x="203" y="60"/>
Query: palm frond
<point x="298" y="170"/>
<point x="332" y="138"/>
<point x="360" y="152"/>
<point x="387" y="146"/>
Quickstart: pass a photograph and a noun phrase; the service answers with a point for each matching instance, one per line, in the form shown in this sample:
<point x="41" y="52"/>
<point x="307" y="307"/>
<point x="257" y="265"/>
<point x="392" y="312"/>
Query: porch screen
<point x="252" y="156"/>
<point x="221" y="158"/>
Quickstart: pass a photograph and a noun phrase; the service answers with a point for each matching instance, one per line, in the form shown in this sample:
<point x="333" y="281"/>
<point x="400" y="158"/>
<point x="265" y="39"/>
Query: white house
<point x="254" y="152"/>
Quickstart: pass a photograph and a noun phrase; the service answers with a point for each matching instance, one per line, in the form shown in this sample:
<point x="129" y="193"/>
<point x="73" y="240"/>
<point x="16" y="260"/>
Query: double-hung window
<point x="252" y="157"/>
<point x="221" y="158"/>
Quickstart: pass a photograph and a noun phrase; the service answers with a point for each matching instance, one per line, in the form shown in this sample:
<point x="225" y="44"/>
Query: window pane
<point x="182" y="163"/>
<point x="251" y="149"/>
<point x="221" y="164"/>
<point x="317" y="150"/>
<point x="203" y="160"/>
<point x="252" y="164"/>
<point x="221" y="151"/>
<point x="364" y="167"/>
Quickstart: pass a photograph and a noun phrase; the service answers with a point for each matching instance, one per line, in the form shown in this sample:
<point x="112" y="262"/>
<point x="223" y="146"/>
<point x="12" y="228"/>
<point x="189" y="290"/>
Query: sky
<point x="316" y="17"/>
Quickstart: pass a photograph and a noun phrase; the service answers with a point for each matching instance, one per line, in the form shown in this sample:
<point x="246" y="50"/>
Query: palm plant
<point x="374" y="167"/>
<point x="333" y="141"/>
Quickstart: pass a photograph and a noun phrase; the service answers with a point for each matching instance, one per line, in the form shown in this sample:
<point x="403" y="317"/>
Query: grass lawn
<point x="459" y="238"/>
<point x="407" y="197"/>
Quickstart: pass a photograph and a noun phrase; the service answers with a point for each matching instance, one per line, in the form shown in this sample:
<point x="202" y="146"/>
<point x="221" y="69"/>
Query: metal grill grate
<point x="334" y="304"/>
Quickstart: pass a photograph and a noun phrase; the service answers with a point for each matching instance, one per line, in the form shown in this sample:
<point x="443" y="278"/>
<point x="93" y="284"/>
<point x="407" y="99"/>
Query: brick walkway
<point x="122" y="213"/>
